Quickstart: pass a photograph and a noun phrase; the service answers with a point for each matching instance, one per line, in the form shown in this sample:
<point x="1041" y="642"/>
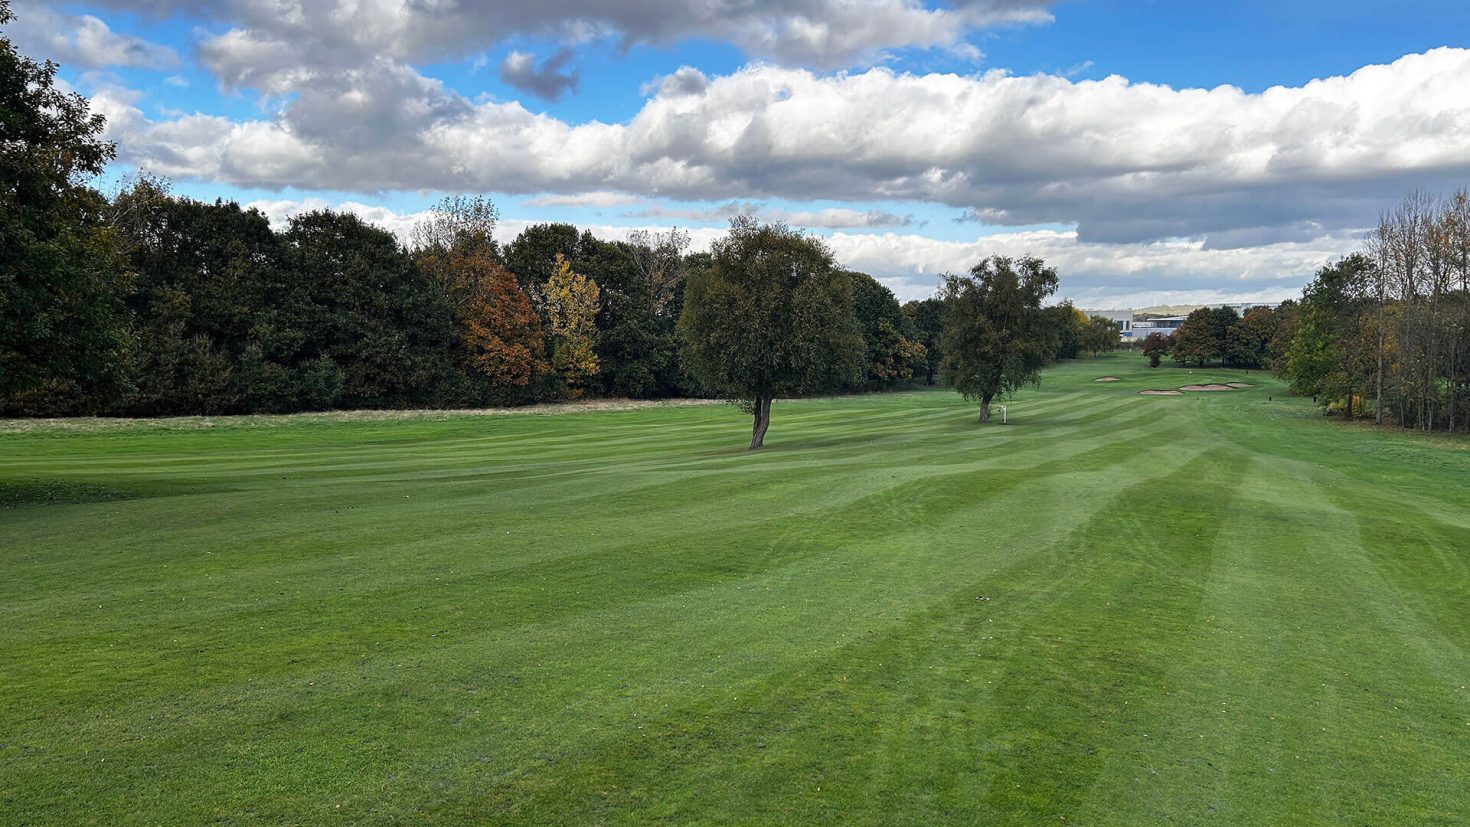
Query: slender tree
<point x="770" y="316"/>
<point x="570" y="301"/>
<point x="659" y="258"/>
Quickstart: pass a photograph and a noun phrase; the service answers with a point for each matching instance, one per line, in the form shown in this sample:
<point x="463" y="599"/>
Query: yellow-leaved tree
<point x="570" y="301"/>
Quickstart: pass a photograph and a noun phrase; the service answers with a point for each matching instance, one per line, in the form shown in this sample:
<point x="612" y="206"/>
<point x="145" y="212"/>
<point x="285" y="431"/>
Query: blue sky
<point x="916" y="138"/>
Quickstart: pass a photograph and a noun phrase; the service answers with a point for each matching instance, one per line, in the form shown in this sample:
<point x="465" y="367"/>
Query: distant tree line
<point x="1384" y="332"/>
<point x="1261" y="338"/>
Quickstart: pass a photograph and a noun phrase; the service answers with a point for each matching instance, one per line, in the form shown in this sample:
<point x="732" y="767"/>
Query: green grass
<point x="1209" y="609"/>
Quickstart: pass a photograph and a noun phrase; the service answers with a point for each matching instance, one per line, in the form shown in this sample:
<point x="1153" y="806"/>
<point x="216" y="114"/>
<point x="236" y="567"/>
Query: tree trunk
<point x="1378" y="396"/>
<point x="985" y="408"/>
<point x="762" y="422"/>
<point x="1350" y="403"/>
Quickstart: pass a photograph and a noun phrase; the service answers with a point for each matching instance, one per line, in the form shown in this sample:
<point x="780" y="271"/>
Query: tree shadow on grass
<point x="36" y="492"/>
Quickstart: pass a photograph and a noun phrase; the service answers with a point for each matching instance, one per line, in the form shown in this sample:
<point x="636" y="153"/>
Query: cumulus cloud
<point x="1093" y="274"/>
<point x="1177" y="271"/>
<point x="280" y="212"/>
<point x="84" y="41"/>
<point x="821" y="33"/>
<point x="842" y="217"/>
<point x="828" y="218"/>
<point x="548" y="81"/>
<point x="687" y="80"/>
<point x="1121" y="161"/>
<point x="584" y="199"/>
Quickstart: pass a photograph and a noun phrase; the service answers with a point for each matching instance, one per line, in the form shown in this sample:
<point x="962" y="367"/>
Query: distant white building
<point x="1132" y="328"/>
<point x="1123" y="318"/>
<point x="1165" y="325"/>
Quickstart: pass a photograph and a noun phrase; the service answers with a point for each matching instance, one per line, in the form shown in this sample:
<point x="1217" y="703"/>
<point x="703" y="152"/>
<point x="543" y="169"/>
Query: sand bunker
<point x="1107" y="379"/>
<point x="1161" y="393"/>
<point x="1238" y="385"/>
<point x="1207" y="388"/>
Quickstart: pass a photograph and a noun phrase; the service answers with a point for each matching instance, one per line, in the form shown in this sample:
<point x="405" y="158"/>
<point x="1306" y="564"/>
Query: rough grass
<point x="1119" y="609"/>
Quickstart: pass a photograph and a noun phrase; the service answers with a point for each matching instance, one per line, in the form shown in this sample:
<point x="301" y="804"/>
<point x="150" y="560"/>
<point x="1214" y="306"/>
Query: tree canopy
<point x="926" y="317"/>
<point x="770" y="316"/>
<point x="996" y="337"/>
<point x="63" y="327"/>
<point x="891" y="349"/>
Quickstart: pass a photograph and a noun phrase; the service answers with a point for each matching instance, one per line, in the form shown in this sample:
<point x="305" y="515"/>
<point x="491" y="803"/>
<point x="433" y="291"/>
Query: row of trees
<point x="1382" y="332"/>
<point x="1259" y="339"/>
<point x="177" y="306"/>
<point x="1392" y="323"/>
<point x="772" y="316"/>
<point x="146" y="303"/>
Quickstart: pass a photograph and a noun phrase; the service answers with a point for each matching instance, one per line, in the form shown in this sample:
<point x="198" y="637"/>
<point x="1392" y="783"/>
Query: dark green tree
<point x="1067" y="324"/>
<point x="205" y="291"/>
<point x="1333" y="353"/>
<point x="769" y="317"/>
<point x="532" y="255"/>
<point x="996" y="337"/>
<point x="890" y="342"/>
<point x="636" y="346"/>
<point x="367" y="313"/>
<point x="63" y="327"/>
<point x="926" y="318"/>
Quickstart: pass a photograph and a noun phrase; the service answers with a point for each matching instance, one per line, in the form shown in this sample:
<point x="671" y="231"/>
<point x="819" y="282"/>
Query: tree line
<point x="148" y="303"/>
<point x="1386" y="331"/>
<point x="1383" y="332"/>
<point x="1259" y="338"/>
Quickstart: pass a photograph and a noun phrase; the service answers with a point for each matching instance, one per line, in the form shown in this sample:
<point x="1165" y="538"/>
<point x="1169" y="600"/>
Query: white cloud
<point x="842" y="218"/>
<point x="83" y="41"/>
<point x="1093" y="274"/>
<point x="827" y="219"/>
<point x="584" y="199"/>
<point x="274" y="36"/>
<point x="1120" y="161"/>
<point x="1103" y="274"/>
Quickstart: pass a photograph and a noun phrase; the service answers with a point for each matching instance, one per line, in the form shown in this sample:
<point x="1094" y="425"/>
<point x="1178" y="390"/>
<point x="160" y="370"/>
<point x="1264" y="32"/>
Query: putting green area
<point x="1117" y="609"/>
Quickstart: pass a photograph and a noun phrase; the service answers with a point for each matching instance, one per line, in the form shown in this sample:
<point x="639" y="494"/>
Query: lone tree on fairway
<point x="769" y="316"/>
<point x="995" y="337"/>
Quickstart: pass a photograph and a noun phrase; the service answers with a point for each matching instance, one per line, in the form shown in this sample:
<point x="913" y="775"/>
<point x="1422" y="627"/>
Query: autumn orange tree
<point x="502" y="333"/>
<point x="499" y="330"/>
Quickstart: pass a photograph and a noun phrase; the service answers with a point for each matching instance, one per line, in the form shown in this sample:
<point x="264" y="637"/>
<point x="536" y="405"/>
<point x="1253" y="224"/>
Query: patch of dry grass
<point x="88" y="424"/>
